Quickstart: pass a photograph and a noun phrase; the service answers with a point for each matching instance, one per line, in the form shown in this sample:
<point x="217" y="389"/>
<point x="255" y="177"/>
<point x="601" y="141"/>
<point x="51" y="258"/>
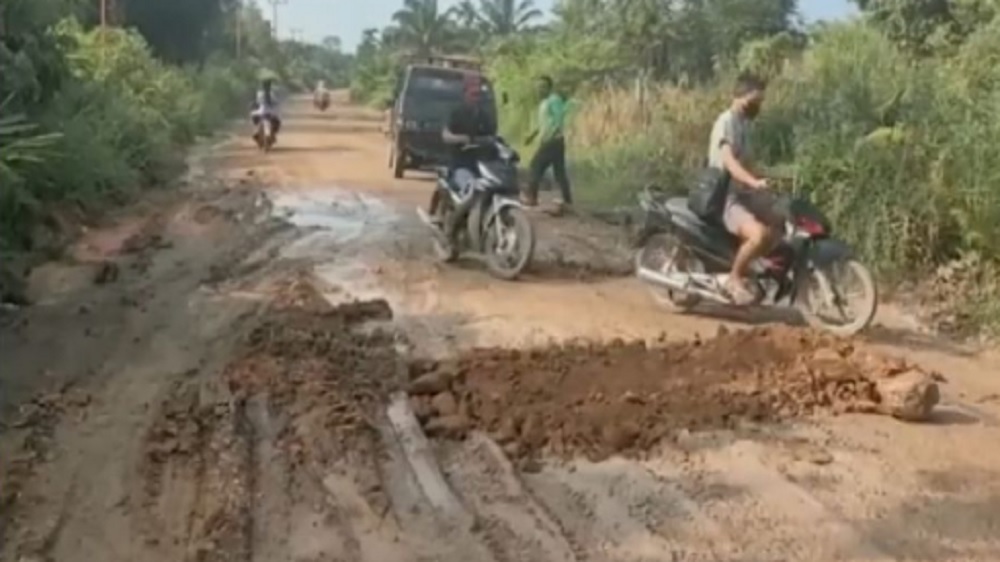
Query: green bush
<point x="111" y="127"/>
<point x="898" y="153"/>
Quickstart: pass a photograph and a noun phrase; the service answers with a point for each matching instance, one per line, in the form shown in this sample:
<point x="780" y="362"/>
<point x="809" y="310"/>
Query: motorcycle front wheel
<point x="444" y="249"/>
<point x="841" y="298"/>
<point x="509" y="243"/>
<point x="266" y="136"/>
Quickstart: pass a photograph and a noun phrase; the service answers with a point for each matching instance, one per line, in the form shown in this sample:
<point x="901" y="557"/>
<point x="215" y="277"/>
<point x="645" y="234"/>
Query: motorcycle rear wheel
<point x="515" y="229"/>
<point x="662" y="252"/>
<point x="811" y="299"/>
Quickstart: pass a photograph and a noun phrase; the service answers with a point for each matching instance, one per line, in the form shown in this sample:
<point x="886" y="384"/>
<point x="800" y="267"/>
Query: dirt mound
<point x="598" y="400"/>
<point x="298" y="402"/>
<point x="326" y="377"/>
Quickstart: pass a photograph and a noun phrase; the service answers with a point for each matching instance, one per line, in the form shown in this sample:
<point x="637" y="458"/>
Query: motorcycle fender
<point x="474" y="223"/>
<point x="503" y="203"/>
<point x="499" y="203"/>
<point x="828" y="251"/>
<point x="645" y="232"/>
<point x="650" y="225"/>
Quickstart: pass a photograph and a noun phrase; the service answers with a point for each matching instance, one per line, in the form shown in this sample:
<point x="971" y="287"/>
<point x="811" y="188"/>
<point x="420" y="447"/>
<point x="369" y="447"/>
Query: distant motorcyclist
<point x="265" y="106"/>
<point x="321" y="96"/>
<point x="467" y="123"/>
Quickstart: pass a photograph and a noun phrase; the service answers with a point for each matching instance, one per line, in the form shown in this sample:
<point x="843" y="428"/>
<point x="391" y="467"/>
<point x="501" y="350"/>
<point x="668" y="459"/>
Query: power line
<point x="274" y="15"/>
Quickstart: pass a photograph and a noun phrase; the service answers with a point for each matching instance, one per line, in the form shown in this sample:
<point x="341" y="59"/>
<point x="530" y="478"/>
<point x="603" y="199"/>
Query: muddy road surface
<point x="266" y="364"/>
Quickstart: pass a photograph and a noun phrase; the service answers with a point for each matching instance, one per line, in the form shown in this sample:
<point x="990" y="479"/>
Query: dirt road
<point x="217" y="374"/>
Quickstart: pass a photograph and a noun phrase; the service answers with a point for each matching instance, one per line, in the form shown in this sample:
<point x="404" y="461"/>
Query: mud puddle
<point x="598" y="400"/>
<point x="339" y="233"/>
<point x="331" y="215"/>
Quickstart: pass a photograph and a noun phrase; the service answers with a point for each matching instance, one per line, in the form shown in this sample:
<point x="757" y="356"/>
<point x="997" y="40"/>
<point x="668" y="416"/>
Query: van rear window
<point x="440" y="83"/>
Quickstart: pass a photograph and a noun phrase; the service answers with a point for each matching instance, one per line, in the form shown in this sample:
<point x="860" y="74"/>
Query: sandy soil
<point x="217" y="374"/>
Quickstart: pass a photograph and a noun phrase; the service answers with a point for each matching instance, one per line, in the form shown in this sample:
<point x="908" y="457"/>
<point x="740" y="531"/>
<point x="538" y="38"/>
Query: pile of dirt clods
<point x="602" y="399"/>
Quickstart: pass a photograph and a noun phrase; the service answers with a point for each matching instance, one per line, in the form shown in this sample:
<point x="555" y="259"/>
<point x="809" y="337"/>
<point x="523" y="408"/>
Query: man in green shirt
<point x="552" y="144"/>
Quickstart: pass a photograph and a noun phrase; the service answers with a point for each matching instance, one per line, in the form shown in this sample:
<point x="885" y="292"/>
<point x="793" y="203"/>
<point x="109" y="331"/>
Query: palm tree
<point x="422" y="28"/>
<point x="505" y="17"/>
<point x="467" y="15"/>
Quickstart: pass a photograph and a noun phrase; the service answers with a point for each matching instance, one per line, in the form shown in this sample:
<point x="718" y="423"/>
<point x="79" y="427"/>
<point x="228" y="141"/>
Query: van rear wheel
<point x="398" y="162"/>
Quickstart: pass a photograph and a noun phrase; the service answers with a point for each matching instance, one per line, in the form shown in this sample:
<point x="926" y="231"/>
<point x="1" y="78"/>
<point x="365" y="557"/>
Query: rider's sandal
<point x="738" y="293"/>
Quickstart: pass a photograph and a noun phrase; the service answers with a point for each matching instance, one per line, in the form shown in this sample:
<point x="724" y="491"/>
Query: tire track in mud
<point x="286" y="454"/>
<point x="198" y="478"/>
<point x="512" y="524"/>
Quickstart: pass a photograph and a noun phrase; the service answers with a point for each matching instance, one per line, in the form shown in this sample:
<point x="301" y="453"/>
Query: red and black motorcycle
<point x="686" y="260"/>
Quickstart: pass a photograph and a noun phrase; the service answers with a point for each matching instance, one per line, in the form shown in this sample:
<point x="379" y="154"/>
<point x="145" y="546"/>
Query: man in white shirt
<point x="729" y="150"/>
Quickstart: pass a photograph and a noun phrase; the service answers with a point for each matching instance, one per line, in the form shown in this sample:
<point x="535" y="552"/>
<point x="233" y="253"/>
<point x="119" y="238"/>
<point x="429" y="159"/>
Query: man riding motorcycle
<point x="747" y="212"/>
<point x="265" y="106"/>
<point x="467" y="123"/>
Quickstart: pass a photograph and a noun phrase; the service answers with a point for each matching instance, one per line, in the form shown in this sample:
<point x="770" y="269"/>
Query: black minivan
<point x="425" y="97"/>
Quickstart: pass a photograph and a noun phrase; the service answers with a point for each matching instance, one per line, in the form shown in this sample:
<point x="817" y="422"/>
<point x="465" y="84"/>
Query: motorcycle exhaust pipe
<point x="677" y="282"/>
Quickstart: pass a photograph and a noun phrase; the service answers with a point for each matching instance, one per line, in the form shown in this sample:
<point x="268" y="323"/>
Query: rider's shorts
<point x="463" y="179"/>
<point x="740" y="211"/>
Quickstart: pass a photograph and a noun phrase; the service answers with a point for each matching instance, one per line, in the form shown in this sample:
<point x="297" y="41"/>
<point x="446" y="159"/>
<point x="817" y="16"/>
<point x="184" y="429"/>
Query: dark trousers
<point x="552" y="153"/>
<point x="275" y="123"/>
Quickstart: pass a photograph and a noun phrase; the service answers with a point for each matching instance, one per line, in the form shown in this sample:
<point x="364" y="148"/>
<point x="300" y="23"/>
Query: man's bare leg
<point x="754" y="236"/>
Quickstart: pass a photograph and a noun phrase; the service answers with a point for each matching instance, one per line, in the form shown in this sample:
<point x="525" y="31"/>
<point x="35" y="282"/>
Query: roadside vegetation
<point x="887" y="120"/>
<point x="90" y="116"/>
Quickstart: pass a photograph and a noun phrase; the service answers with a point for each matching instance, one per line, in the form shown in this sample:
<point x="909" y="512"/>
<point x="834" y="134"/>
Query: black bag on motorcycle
<point x="707" y="198"/>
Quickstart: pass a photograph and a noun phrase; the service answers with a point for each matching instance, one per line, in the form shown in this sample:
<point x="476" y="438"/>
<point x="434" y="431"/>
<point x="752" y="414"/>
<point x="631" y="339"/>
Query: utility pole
<point x="239" y="29"/>
<point x="104" y="30"/>
<point x="274" y="15"/>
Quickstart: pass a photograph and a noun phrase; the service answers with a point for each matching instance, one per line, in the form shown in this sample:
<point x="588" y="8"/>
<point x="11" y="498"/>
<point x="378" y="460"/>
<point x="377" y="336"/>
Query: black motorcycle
<point x="687" y="260"/>
<point x="488" y="219"/>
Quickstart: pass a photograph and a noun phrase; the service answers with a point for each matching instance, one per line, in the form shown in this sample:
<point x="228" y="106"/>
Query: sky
<point x="312" y="20"/>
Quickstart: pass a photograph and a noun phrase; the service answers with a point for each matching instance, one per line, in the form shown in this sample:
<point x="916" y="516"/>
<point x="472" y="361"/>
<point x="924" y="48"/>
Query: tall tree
<point x="422" y="28"/>
<point x="923" y="26"/>
<point x="179" y="30"/>
<point x="332" y="43"/>
<point x="500" y="18"/>
<point x="737" y="22"/>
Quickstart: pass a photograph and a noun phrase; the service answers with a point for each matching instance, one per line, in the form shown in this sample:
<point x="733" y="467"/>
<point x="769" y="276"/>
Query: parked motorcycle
<point x="488" y="220"/>
<point x="686" y="261"/>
